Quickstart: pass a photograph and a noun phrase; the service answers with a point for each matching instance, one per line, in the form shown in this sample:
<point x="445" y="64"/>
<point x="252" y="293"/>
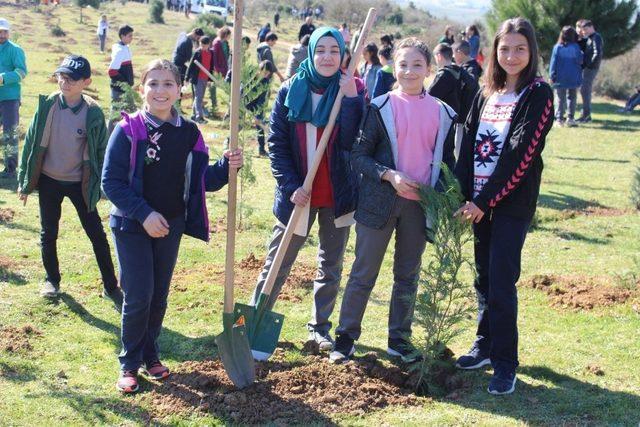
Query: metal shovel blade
<point x="263" y="327"/>
<point x="234" y="351"/>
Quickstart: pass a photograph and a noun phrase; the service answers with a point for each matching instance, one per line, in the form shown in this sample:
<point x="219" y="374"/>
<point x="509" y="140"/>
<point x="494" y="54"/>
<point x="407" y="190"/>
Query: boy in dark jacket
<point x="454" y="86"/>
<point x="461" y="57"/>
<point x="62" y="157"/>
<point x="593" y="54"/>
<point x="198" y="78"/>
<point x="265" y="52"/>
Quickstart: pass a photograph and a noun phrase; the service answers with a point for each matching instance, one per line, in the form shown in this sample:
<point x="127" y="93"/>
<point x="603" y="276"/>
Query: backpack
<point x="465" y="91"/>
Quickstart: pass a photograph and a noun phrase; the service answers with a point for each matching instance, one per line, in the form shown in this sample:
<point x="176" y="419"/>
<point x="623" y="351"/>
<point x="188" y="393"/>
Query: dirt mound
<point x="580" y="292"/>
<point x="14" y="339"/>
<point x="6" y="215"/>
<point x="286" y="393"/>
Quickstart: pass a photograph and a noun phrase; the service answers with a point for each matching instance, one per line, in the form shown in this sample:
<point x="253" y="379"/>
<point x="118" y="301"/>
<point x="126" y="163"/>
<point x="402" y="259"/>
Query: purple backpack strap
<point x="133" y="126"/>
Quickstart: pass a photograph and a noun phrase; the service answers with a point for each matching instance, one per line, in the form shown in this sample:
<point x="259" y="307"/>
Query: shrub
<point x="209" y="22"/>
<point x="443" y="300"/>
<point x="57" y="31"/>
<point x="619" y="76"/>
<point x="156" y="8"/>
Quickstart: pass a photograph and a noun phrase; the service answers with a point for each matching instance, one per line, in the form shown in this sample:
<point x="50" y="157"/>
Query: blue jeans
<point x="103" y="39"/>
<point x="9" y="110"/>
<point x="563" y="96"/>
<point x="146" y="267"/>
<point x="633" y="102"/>
<point x="498" y="249"/>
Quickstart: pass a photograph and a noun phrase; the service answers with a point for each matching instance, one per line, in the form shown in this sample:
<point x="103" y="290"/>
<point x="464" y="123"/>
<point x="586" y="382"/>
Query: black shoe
<point x="474" y="359"/>
<point x="50" y="290"/>
<point x="116" y="298"/>
<point x="503" y="381"/>
<point x="7" y="174"/>
<point x="342" y="350"/>
<point x="399" y="347"/>
<point x="263" y="153"/>
<point x="584" y="119"/>
<point x="201" y="120"/>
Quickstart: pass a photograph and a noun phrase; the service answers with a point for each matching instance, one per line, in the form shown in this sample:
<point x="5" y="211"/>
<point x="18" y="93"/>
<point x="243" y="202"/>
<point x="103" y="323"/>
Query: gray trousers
<point x="199" y="89"/>
<point x="408" y="221"/>
<point x="588" y="77"/>
<point x="564" y="95"/>
<point x="10" y="119"/>
<point x="333" y="242"/>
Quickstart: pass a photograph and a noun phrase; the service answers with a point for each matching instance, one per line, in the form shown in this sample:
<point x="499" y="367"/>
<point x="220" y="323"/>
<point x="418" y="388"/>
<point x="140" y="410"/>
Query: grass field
<point x="58" y="365"/>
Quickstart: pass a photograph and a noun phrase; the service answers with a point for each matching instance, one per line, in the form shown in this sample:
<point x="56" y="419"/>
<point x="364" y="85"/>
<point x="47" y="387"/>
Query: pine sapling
<point x="443" y="299"/>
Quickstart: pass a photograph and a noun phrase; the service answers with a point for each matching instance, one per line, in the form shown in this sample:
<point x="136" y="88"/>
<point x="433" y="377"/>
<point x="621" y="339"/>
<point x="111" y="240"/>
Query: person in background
<point x="266" y="54"/>
<point x="256" y="105"/>
<point x="473" y="38"/>
<point x="306" y="28"/>
<point x="632" y="103"/>
<point x="297" y="54"/>
<point x="101" y="32"/>
<point x="384" y="76"/>
<point x="121" y="66"/>
<point x="266" y="29"/>
<point x="370" y="68"/>
<point x="221" y="55"/>
<point x="454" y="86"/>
<point x="386" y="40"/>
<point x="593" y="53"/>
<point x="13" y="69"/>
<point x="565" y="71"/>
<point x="184" y="50"/>
<point x="448" y="37"/>
<point x="62" y="158"/>
<point x="276" y="19"/>
<point x="199" y="79"/>
<point x="461" y="57"/>
<point x="346" y="34"/>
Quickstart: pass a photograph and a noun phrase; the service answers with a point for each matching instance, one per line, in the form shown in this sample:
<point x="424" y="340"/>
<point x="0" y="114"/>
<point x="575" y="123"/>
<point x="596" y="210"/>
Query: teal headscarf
<point x="307" y="78"/>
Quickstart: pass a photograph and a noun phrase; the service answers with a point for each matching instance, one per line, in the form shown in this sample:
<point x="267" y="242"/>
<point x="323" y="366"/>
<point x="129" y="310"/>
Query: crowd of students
<point x="392" y="136"/>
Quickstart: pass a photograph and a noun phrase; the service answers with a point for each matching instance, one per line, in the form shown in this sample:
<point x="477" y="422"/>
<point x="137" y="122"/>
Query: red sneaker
<point x="156" y="370"/>
<point x="128" y="382"/>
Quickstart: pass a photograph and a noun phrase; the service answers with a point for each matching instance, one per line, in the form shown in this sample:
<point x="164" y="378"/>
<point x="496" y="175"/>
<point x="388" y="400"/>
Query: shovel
<point x="264" y="326"/>
<point x="233" y="345"/>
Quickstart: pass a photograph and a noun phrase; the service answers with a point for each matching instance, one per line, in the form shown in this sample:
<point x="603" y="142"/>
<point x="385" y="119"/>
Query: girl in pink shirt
<point x="404" y="138"/>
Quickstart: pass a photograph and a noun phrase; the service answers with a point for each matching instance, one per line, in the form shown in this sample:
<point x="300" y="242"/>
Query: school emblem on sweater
<point x="153" y="148"/>
<point x="488" y="147"/>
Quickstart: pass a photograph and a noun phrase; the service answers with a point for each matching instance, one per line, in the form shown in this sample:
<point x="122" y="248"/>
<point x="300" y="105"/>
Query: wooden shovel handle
<point x="236" y="75"/>
<point x="317" y="158"/>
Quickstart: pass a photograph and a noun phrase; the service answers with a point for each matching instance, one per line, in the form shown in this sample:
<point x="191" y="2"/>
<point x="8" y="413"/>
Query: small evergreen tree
<point x="155" y="12"/>
<point x="444" y="299"/>
<point x="84" y="3"/>
<point x="618" y="21"/>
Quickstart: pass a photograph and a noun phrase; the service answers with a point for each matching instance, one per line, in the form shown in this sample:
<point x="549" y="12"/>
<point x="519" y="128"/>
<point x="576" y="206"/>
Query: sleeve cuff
<point x="481" y="203"/>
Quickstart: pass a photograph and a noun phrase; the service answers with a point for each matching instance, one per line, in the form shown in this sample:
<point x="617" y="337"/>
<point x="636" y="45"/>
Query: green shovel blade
<point x="263" y="327"/>
<point x="235" y="353"/>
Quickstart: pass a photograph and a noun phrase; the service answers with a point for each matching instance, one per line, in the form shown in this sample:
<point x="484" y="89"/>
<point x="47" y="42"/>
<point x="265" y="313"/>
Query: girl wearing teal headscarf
<point x="299" y="115"/>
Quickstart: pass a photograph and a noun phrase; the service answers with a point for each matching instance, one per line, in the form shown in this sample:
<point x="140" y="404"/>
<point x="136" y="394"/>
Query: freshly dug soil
<point x="580" y="292"/>
<point x="308" y="391"/>
<point x="14" y="339"/>
<point x="6" y="215"/>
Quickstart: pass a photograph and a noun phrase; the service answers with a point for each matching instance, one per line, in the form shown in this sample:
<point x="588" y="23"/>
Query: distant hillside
<point x="458" y="10"/>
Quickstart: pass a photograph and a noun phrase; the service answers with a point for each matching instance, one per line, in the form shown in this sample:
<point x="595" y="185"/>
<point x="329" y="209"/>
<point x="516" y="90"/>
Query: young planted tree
<point x="635" y="185"/>
<point x="251" y="88"/>
<point x="156" y="9"/>
<point x="84" y="3"/>
<point x="618" y="21"/>
<point x="444" y="300"/>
